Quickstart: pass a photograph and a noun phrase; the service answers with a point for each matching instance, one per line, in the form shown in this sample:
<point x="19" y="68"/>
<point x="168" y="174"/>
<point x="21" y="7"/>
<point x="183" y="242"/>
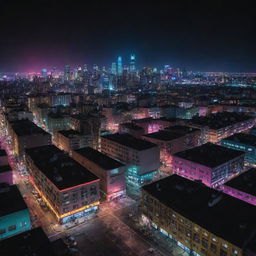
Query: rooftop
<point x="163" y="135"/>
<point x="132" y="126"/>
<point x="130" y="141"/>
<point x="3" y="152"/>
<point x="245" y="182"/>
<point x="30" y="243"/>
<point x="59" y="168"/>
<point x="5" y="168"/>
<point x="220" y="120"/>
<point x="99" y="158"/>
<point x="210" y="209"/>
<point x="10" y="194"/>
<point x="181" y="129"/>
<point x="26" y="127"/>
<point x="69" y="133"/>
<point x="247" y="139"/>
<point x="209" y="154"/>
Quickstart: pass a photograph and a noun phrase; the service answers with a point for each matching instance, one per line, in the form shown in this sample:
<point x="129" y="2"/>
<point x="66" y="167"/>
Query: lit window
<point x="214" y="239"/>
<point x="224" y="245"/>
<point x="234" y="251"/>
<point x="196" y="229"/>
<point x="23" y="224"/>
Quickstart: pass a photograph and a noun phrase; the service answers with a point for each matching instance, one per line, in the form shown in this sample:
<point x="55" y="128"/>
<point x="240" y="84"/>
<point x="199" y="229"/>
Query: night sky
<point x="200" y="35"/>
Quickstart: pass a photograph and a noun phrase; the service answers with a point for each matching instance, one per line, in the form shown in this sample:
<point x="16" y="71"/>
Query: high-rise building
<point x="85" y="68"/>
<point x="67" y="73"/>
<point x="132" y="63"/>
<point x="113" y="68"/>
<point x="119" y="65"/>
<point x="44" y="73"/>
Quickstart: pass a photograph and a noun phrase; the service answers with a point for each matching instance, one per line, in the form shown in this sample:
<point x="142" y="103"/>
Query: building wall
<point x="63" y="202"/>
<point x="211" y="177"/>
<point x="111" y="181"/>
<point x="14" y="223"/>
<point x="217" y="135"/>
<point x="147" y="160"/>
<point x="239" y="194"/>
<point x="30" y="141"/>
<point x="72" y="143"/>
<point x="184" y="232"/>
<point x="6" y="177"/>
<point x="192" y="171"/>
<point x="250" y="151"/>
<point x="167" y="148"/>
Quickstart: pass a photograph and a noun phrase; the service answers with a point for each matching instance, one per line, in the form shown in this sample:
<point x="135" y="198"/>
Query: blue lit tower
<point x="132" y="63"/>
<point x="44" y="73"/>
<point x="119" y="65"/>
<point x="113" y="68"/>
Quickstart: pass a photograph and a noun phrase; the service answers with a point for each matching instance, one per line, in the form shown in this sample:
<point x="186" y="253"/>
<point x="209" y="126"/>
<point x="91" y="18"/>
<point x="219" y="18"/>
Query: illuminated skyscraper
<point x="132" y="63"/>
<point x="85" y="68"/>
<point x="119" y="65"/>
<point x="113" y="68"/>
<point x="44" y="73"/>
<point x="95" y="68"/>
<point x="67" y="73"/>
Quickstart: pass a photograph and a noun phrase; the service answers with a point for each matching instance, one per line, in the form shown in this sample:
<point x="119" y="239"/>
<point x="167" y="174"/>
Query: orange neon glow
<point x="65" y="214"/>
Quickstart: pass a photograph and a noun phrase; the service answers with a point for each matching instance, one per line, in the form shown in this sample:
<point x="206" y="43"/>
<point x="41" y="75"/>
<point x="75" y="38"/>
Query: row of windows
<point x="13" y="227"/>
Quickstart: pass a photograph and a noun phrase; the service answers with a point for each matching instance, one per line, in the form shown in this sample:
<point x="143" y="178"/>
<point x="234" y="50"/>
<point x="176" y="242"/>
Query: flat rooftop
<point x="181" y="129"/>
<point x="99" y="158"/>
<point x="59" y="168"/>
<point x="220" y="120"/>
<point x="245" y="182"/>
<point x="243" y="138"/>
<point x="132" y="126"/>
<point x="209" y="154"/>
<point x="69" y="133"/>
<point x="29" y="243"/>
<point x="11" y="200"/>
<point x="5" y="168"/>
<point x="26" y="127"/>
<point x="210" y="209"/>
<point x="130" y="141"/>
<point x="163" y="135"/>
<point x="3" y="152"/>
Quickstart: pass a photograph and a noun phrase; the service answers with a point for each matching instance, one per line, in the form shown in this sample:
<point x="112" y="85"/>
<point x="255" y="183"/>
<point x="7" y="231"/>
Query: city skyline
<point x="212" y="36"/>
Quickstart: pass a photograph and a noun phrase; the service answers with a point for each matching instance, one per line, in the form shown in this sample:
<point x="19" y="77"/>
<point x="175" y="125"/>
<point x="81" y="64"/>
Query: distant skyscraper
<point x="44" y="72"/>
<point x="67" y="73"/>
<point x="113" y="68"/>
<point x="119" y="65"/>
<point x="95" y="68"/>
<point x="132" y="63"/>
<point x="85" y="68"/>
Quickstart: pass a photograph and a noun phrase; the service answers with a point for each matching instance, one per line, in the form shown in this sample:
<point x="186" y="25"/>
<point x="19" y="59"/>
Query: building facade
<point x="68" y="189"/>
<point x="211" y="164"/>
<point x="199" y="219"/>
<point x="141" y="157"/>
<point x="243" y="142"/>
<point x="69" y="140"/>
<point x="110" y="171"/>
<point x="14" y="214"/>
